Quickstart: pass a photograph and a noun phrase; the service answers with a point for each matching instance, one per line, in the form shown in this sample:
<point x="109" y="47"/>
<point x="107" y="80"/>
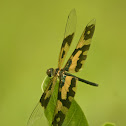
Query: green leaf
<point x="75" y="115"/>
<point x="109" y="124"/>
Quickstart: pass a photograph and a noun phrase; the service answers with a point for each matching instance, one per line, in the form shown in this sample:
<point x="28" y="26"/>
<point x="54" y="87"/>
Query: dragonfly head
<point x="50" y="72"/>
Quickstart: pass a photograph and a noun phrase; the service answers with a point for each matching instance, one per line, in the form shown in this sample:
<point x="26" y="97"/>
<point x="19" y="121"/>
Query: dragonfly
<point x="67" y="82"/>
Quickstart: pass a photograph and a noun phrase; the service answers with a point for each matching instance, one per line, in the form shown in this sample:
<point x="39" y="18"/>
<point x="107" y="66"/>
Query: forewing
<point x="48" y="92"/>
<point x="66" y="93"/>
<point x="37" y="114"/>
<point x="78" y="57"/>
<point x="68" y="36"/>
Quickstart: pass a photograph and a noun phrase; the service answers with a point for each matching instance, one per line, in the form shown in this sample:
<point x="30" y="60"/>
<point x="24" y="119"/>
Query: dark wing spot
<point x="71" y="92"/>
<point x="68" y="40"/>
<point x="65" y="102"/>
<point x="44" y="102"/>
<point x="50" y="87"/>
<point x="79" y="64"/>
<point x="75" y="51"/>
<point x="85" y="48"/>
<point x="68" y="64"/>
<point x="63" y="53"/>
<point x="58" y="115"/>
<point x="90" y="28"/>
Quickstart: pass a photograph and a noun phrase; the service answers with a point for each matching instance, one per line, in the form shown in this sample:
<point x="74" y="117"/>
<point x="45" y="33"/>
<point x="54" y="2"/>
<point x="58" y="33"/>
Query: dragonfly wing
<point x="48" y="92"/>
<point x="78" y="57"/>
<point x="68" y="36"/>
<point x="66" y="93"/>
<point x="37" y="116"/>
<point x="38" y="112"/>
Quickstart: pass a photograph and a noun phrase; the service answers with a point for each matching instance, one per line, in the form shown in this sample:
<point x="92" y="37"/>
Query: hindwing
<point x="66" y="93"/>
<point x="78" y="57"/>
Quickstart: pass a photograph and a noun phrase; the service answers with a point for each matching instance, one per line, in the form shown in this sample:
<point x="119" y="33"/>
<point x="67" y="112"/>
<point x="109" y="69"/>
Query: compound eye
<point x="48" y="72"/>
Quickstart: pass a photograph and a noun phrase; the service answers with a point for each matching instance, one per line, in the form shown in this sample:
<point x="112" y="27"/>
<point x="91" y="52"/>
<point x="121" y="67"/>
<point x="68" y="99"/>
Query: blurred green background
<point x="31" y="34"/>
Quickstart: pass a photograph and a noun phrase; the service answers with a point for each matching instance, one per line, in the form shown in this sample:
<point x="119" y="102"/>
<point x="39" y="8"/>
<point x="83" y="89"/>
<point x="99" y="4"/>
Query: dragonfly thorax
<point x="52" y="72"/>
<point x="59" y="72"/>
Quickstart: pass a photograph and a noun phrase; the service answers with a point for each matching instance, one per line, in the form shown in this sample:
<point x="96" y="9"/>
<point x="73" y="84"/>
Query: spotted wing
<point x="68" y="36"/>
<point x="37" y="114"/>
<point x="66" y="93"/>
<point x="48" y="92"/>
<point x="78" y="57"/>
